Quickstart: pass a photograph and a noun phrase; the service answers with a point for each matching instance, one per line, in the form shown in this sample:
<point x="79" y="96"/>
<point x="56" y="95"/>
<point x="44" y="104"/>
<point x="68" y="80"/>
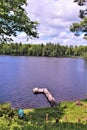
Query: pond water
<point x="66" y="79"/>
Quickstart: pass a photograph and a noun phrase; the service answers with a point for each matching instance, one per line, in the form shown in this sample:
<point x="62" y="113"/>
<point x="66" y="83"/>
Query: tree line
<point x="49" y="49"/>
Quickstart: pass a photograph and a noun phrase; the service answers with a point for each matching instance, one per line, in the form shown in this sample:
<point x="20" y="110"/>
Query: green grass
<point x="67" y="111"/>
<point x="74" y="112"/>
<point x="67" y="114"/>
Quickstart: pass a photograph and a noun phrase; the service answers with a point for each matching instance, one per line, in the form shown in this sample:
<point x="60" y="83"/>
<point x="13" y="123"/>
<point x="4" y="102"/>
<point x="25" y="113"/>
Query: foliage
<point x="80" y="2"/>
<point x="5" y="110"/>
<point x="84" y="56"/>
<point x="80" y="28"/>
<point x="35" y="119"/>
<point x="50" y="49"/>
<point x="14" y="19"/>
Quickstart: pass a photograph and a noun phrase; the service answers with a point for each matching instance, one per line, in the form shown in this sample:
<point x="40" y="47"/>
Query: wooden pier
<point x="48" y="95"/>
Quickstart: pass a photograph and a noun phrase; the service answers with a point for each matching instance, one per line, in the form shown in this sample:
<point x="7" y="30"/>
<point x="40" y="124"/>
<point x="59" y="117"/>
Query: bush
<point x="15" y="126"/>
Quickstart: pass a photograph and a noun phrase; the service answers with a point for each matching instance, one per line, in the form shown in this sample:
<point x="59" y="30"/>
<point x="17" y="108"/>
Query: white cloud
<point x="20" y="38"/>
<point x="55" y="18"/>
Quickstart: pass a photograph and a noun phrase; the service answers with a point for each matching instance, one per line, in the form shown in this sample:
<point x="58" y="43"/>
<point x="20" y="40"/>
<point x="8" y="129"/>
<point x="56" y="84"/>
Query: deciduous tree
<point x="14" y="19"/>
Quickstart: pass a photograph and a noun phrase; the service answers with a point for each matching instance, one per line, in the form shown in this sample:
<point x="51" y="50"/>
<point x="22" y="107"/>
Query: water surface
<point x="66" y="78"/>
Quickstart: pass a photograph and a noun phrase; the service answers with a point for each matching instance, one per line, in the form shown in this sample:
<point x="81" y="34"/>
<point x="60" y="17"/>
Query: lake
<point x="66" y="79"/>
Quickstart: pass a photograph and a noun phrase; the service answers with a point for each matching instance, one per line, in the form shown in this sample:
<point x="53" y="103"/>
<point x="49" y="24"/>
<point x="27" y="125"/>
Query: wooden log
<point x="48" y="95"/>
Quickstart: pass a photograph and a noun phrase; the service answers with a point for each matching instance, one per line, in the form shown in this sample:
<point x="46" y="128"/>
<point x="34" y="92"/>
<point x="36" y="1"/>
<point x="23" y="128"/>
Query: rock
<point x="78" y="103"/>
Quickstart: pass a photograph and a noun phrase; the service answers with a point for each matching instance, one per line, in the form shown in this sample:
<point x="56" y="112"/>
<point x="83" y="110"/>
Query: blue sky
<point x="55" y="18"/>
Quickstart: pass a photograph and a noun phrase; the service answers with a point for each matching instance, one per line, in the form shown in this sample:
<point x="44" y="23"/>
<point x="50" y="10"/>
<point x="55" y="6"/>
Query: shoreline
<point x="43" y="107"/>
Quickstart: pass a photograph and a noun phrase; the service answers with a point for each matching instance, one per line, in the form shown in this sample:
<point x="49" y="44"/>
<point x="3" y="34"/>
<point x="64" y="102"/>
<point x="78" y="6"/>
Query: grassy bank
<point x="66" y="116"/>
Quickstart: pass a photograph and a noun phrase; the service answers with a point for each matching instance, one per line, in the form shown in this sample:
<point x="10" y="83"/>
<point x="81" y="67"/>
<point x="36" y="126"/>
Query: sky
<point x="55" y="18"/>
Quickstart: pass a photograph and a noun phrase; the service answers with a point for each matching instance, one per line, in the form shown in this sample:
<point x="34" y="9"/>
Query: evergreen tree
<point x="81" y="27"/>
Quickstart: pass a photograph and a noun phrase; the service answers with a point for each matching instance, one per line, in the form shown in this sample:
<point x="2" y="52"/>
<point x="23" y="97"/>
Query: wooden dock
<point x="48" y="95"/>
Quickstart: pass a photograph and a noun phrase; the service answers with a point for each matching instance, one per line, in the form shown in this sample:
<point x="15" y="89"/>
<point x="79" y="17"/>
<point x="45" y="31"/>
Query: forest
<point x="49" y="50"/>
